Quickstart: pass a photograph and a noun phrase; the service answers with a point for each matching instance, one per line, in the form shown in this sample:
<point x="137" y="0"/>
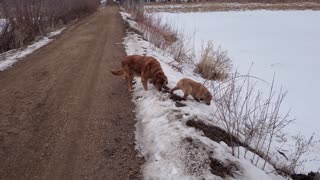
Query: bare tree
<point x="26" y="19"/>
<point x="136" y="7"/>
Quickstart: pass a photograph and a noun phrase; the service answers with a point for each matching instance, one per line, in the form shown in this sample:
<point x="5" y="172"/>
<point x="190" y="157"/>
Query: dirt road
<point x="63" y="115"/>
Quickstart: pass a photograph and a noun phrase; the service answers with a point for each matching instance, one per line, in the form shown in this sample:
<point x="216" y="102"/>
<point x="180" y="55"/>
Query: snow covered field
<point x="213" y="6"/>
<point x="282" y="42"/>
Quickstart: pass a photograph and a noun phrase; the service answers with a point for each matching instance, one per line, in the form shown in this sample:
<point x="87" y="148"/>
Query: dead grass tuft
<point x="214" y="63"/>
<point x="157" y="32"/>
<point x="166" y="37"/>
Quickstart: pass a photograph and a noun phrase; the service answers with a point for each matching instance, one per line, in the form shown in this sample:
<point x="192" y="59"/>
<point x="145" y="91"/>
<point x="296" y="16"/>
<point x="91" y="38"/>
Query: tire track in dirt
<point x="62" y="115"/>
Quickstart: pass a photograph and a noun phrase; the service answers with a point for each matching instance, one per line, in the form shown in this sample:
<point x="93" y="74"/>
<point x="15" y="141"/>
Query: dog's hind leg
<point x="186" y="91"/>
<point x="144" y="83"/>
<point x="174" y="89"/>
<point x="129" y="79"/>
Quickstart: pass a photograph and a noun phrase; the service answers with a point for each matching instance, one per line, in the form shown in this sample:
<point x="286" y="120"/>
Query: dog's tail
<point x="118" y="72"/>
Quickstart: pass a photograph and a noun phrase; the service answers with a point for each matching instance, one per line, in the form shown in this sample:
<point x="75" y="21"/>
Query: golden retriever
<point x="145" y="66"/>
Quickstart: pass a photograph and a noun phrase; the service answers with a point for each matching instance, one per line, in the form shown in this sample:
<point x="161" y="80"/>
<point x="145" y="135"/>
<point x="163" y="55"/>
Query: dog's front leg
<point x="129" y="82"/>
<point x="144" y="83"/>
<point x="195" y="98"/>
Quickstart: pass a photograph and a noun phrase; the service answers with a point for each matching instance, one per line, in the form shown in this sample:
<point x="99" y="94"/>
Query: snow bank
<point x="103" y="2"/>
<point x="7" y="59"/>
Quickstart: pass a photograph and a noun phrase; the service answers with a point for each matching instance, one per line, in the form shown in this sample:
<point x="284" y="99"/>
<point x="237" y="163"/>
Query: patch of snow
<point x="103" y="2"/>
<point x="127" y="17"/>
<point x="7" y="59"/>
<point x="2" y="24"/>
<point x="162" y="134"/>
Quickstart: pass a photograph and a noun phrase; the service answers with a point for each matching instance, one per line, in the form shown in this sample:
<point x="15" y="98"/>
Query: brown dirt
<point x="219" y="169"/>
<point x="309" y="176"/>
<point x="215" y="133"/>
<point x="63" y="115"/>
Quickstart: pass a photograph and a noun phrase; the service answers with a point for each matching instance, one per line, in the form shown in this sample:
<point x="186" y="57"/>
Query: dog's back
<point x="144" y="66"/>
<point x="134" y="63"/>
<point x="195" y="89"/>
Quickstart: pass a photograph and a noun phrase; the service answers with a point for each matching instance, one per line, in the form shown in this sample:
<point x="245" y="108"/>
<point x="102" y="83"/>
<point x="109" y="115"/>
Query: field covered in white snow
<point x="282" y="42"/>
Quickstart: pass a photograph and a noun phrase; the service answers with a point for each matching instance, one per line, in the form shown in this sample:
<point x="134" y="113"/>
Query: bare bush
<point x="26" y="19"/>
<point x="293" y="159"/>
<point x="135" y="7"/>
<point x="161" y="34"/>
<point x="255" y="118"/>
<point x="214" y="63"/>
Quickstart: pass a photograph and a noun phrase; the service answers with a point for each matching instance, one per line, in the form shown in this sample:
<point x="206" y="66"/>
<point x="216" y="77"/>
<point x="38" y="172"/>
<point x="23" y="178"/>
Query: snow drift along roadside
<point x="7" y="59"/>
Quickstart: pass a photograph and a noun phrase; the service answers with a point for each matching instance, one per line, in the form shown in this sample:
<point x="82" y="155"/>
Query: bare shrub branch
<point x="257" y="120"/>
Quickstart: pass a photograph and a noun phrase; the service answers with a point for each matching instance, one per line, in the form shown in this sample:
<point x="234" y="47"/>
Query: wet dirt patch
<point x="215" y="133"/>
<point x="309" y="176"/>
<point x="198" y="160"/>
<point x="220" y="169"/>
<point x="177" y="99"/>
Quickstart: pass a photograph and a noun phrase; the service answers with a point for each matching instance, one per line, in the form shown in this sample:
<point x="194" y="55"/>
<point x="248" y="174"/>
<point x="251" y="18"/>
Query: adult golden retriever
<point x="145" y="66"/>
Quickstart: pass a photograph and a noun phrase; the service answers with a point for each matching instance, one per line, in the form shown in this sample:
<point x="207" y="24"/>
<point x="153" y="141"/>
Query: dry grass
<point x="164" y="36"/>
<point x="157" y="32"/>
<point x="214" y="63"/>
